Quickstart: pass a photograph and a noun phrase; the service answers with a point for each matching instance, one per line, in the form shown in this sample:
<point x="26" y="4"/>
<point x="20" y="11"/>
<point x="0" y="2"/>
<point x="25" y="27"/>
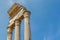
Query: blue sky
<point x="45" y="18"/>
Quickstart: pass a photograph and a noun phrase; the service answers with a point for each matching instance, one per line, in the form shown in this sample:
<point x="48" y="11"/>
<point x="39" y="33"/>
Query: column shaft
<point x="17" y="29"/>
<point x="9" y="34"/>
<point x="27" y="26"/>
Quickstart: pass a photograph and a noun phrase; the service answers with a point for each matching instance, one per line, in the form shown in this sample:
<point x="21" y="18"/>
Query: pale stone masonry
<point x="27" y="25"/>
<point x="9" y="33"/>
<point x="17" y="13"/>
<point x="17" y="29"/>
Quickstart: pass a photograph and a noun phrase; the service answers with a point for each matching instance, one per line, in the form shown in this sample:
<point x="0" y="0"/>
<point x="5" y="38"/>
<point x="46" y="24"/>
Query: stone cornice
<point x="15" y="9"/>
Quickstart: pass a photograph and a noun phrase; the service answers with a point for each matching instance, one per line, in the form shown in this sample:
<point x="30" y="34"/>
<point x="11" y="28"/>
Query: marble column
<point x="27" y="32"/>
<point x="9" y="34"/>
<point x="17" y="29"/>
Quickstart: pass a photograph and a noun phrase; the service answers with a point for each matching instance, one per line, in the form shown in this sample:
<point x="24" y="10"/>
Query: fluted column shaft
<point x="9" y="34"/>
<point x="27" y="26"/>
<point x="17" y="29"/>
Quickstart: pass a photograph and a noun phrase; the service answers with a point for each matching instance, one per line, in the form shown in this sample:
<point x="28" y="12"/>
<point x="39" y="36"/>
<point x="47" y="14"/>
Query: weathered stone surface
<point x="17" y="13"/>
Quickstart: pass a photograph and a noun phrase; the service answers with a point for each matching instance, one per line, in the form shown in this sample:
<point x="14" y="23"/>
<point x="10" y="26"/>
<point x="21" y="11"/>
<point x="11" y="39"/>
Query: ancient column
<point x="9" y="34"/>
<point x="27" y="25"/>
<point x="17" y="29"/>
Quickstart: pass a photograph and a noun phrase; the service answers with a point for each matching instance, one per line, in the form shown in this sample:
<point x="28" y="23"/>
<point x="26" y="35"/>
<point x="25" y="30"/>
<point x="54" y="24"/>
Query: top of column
<point x="16" y="12"/>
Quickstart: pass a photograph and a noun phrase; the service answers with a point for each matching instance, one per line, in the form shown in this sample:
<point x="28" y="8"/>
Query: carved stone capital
<point x="26" y="14"/>
<point x="17" y="22"/>
<point x="10" y="30"/>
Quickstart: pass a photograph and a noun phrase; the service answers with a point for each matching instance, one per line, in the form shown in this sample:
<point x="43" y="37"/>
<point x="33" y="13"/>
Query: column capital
<point x="17" y="22"/>
<point x="10" y="30"/>
<point x="27" y="14"/>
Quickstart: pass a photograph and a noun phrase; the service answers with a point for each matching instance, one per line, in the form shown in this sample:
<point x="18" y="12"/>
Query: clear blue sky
<point x="45" y="18"/>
